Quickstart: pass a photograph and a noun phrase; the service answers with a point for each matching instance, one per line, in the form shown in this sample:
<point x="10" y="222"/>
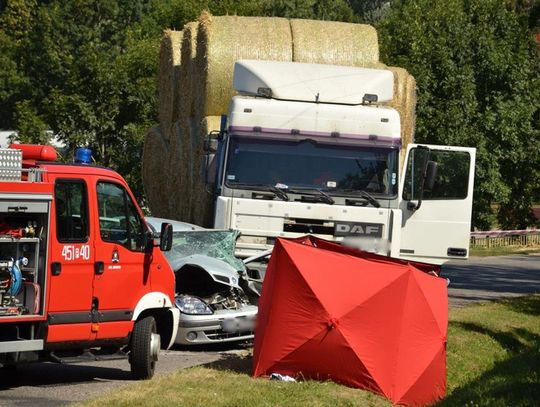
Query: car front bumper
<point x="222" y="326"/>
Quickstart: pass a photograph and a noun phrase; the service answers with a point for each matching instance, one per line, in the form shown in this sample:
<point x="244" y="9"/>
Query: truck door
<point x="436" y="221"/>
<point x="122" y="273"/>
<point x="71" y="263"/>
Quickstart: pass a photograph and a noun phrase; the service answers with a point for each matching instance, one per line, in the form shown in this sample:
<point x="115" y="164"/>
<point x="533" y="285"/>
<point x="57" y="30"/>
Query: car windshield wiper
<point x="324" y="197"/>
<point x="263" y="187"/>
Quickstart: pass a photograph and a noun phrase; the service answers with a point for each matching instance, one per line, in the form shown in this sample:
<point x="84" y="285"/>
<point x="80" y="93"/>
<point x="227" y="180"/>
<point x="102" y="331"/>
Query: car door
<point x="436" y="226"/>
<point x="122" y="273"/>
<point x="71" y="262"/>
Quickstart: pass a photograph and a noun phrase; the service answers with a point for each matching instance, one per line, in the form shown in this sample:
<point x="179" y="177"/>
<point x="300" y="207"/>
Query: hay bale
<point x="221" y="41"/>
<point x="168" y="75"/>
<point x="202" y="212"/>
<point x="153" y="166"/>
<point x="336" y="43"/>
<point x="188" y="73"/>
<point x="179" y="174"/>
<point x="404" y="101"/>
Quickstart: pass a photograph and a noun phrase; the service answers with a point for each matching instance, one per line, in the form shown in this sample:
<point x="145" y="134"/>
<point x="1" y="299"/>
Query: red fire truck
<point x="80" y="276"/>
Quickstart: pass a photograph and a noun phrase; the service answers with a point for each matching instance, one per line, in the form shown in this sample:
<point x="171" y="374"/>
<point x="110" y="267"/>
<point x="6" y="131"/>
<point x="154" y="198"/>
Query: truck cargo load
<point x="278" y="144"/>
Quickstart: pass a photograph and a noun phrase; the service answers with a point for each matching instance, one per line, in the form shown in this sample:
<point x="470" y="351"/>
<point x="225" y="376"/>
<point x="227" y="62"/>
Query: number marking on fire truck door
<point x="71" y="252"/>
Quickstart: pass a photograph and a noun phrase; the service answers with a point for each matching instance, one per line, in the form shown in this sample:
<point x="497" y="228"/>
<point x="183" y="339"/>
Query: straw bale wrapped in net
<point x="202" y="211"/>
<point x="221" y="41"/>
<point x="168" y="74"/>
<point x="336" y="43"/>
<point x="180" y="175"/>
<point x="154" y="164"/>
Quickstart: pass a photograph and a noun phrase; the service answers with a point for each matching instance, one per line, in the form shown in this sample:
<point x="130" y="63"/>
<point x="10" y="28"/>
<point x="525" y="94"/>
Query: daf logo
<point x="358" y="229"/>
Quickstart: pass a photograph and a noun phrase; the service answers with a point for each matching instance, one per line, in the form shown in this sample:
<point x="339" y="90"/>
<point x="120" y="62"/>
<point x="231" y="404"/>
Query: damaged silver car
<point x="216" y="298"/>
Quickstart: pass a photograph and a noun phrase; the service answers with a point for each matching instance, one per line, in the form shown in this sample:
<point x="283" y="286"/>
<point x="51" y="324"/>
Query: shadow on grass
<point x="514" y="381"/>
<point x="526" y="305"/>
<point x="236" y="363"/>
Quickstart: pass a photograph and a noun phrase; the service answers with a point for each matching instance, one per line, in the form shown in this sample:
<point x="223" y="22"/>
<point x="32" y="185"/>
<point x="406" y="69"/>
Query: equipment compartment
<point x="22" y="260"/>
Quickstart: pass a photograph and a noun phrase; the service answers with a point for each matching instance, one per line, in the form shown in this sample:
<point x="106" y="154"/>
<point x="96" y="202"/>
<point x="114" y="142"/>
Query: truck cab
<point x="80" y="276"/>
<point x="313" y="149"/>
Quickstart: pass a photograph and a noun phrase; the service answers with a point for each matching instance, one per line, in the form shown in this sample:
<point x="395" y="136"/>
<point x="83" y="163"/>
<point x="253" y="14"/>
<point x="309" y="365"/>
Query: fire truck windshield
<point x="336" y="169"/>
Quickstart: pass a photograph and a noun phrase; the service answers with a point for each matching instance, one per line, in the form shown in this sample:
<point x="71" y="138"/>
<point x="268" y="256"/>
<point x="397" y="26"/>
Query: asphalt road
<point x="488" y="278"/>
<point x="52" y="384"/>
<point x="48" y="384"/>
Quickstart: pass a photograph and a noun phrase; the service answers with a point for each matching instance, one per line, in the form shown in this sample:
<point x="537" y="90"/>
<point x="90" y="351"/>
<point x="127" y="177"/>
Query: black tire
<point x="140" y="358"/>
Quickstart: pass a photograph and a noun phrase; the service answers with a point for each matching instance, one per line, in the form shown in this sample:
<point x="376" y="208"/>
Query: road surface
<point x="47" y="384"/>
<point x="488" y="278"/>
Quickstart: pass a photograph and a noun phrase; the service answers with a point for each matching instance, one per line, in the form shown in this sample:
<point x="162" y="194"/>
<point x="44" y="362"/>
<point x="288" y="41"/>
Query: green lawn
<point x="493" y="360"/>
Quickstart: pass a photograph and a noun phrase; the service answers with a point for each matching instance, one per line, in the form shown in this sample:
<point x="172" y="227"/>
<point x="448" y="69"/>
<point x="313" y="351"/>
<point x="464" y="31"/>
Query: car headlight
<point x="192" y="305"/>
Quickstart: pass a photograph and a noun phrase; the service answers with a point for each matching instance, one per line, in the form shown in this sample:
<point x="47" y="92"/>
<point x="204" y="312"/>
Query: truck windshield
<point x="336" y="169"/>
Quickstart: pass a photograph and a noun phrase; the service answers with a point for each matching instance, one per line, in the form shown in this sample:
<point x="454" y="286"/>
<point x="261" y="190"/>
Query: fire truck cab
<point x="80" y="276"/>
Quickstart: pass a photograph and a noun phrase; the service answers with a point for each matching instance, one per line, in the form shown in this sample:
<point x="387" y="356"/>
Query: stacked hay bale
<point x="155" y="184"/>
<point x="404" y="102"/>
<point x="221" y="41"/>
<point x="169" y="93"/>
<point x="196" y="65"/>
<point x="334" y="43"/>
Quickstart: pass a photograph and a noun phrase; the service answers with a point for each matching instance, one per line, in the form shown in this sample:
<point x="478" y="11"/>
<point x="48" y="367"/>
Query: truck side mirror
<point x="211" y="143"/>
<point x="165" y="237"/>
<point x="431" y="175"/>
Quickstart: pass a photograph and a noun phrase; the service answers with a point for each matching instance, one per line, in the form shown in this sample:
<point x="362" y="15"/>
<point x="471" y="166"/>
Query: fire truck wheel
<point x="145" y="345"/>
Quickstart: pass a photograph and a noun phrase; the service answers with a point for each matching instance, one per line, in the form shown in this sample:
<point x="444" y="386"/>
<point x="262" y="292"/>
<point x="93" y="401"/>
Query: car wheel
<point x="145" y="345"/>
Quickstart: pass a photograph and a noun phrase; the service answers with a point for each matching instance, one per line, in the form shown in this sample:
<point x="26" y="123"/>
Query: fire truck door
<point x="121" y="277"/>
<point x="71" y="263"/>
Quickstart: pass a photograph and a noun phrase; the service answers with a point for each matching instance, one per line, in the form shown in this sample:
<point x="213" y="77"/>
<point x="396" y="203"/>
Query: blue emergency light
<point x="83" y="155"/>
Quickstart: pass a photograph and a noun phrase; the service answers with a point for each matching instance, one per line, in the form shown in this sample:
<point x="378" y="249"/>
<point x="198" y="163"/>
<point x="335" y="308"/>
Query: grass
<point x="493" y="359"/>
<point x="503" y="251"/>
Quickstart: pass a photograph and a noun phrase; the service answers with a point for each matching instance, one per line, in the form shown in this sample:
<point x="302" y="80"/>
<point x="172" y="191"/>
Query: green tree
<point x="370" y="11"/>
<point x="30" y="126"/>
<point x="338" y="10"/>
<point x="478" y="78"/>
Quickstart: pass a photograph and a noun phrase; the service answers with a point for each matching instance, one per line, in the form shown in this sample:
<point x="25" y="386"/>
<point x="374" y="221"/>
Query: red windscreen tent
<point x="329" y="312"/>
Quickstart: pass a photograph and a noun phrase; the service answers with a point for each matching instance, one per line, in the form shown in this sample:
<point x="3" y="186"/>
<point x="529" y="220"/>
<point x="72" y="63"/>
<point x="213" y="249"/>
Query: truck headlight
<point x="192" y="305"/>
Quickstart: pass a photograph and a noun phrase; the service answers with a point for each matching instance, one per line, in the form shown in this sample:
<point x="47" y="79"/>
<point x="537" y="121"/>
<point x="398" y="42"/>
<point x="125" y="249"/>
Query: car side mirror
<point x="165" y="237"/>
<point x="431" y="175"/>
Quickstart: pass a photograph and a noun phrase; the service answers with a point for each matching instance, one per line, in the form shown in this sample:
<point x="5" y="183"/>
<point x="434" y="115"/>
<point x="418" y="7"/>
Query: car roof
<point x="178" y="226"/>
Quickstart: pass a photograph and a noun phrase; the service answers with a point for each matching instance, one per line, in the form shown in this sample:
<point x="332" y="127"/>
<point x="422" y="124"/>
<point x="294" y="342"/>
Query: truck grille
<point x="302" y="225"/>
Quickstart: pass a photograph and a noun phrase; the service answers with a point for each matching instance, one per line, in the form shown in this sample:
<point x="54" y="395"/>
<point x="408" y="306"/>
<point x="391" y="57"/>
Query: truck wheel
<point x="145" y="345"/>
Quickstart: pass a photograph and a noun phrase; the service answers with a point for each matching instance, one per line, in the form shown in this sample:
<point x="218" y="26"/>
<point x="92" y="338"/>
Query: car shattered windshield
<point x="306" y="164"/>
<point x="219" y="244"/>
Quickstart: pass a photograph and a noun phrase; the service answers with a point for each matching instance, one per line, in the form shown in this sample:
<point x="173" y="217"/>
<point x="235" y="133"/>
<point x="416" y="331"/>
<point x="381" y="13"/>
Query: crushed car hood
<point x="219" y="270"/>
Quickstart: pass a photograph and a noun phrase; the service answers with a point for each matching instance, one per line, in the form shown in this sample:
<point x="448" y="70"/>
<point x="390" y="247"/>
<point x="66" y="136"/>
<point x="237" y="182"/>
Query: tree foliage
<point x="477" y="70"/>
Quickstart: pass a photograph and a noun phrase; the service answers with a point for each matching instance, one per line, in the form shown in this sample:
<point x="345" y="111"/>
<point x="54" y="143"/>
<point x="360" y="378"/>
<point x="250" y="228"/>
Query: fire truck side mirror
<point x="165" y="237"/>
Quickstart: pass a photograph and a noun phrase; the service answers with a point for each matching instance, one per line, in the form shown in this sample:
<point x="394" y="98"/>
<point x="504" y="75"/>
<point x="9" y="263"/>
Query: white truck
<point x="308" y="148"/>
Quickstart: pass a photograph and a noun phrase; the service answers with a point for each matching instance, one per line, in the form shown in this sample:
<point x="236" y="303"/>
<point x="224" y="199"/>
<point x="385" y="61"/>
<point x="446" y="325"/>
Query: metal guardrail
<point x="504" y="238"/>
